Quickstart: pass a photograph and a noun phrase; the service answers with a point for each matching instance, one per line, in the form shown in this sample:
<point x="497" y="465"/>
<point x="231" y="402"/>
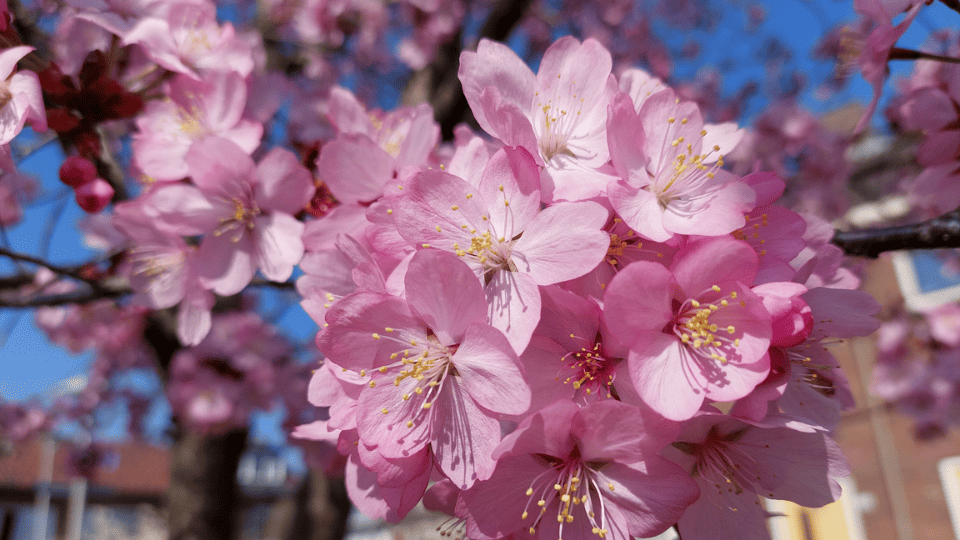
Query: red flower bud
<point x="94" y="196"/>
<point x="77" y="171"/>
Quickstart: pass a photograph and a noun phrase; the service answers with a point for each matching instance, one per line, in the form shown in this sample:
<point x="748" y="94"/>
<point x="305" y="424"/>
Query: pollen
<point x="384" y="410"/>
<point x="376" y="335"/>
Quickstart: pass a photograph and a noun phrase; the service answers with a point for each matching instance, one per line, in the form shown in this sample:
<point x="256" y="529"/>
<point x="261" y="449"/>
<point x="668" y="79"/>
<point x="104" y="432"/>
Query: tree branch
<point x="952" y="4"/>
<point x="439" y="83"/>
<point x="939" y="232"/>
<point x="102" y="292"/>
<point x="56" y="269"/>
<point x="898" y="53"/>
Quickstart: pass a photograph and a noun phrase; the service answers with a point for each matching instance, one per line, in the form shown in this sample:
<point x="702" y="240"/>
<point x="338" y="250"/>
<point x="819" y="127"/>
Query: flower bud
<point x="791" y="317"/>
<point x="94" y="196"/>
<point x="77" y="171"/>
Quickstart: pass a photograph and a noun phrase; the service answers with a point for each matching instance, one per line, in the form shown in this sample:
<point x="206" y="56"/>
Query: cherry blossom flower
<point x="439" y="374"/>
<point x="194" y="110"/>
<point x="696" y="331"/>
<point x="568" y="472"/>
<point x="244" y="210"/>
<point x="733" y="462"/>
<point x="558" y="115"/>
<point x="669" y="167"/>
<point x="187" y="39"/>
<point x="498" y="229"/>
<point x="21" y="101"/>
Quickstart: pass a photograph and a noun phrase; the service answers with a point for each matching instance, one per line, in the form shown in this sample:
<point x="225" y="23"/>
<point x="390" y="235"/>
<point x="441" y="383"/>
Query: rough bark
<point x="322" y="509"/>
<point x="203" y="497"/>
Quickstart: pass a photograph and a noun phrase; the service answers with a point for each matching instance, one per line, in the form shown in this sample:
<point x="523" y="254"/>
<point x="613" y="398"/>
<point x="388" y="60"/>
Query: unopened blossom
<point x="669" y="163"/>
<point x="696" y="330"/>
<point x="439" y="374"/>
<point x="573" y="473"/>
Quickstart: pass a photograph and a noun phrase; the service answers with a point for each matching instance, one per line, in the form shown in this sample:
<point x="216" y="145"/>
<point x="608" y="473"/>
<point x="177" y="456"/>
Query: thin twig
<point x="103" y="292"/>
<point x="898" y="53"/>
<point x="55" y="268"/>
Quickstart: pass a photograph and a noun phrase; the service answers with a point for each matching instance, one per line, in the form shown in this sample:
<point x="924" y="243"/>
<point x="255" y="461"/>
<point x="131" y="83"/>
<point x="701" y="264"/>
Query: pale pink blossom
<point x="559" y="115"/>
<point x="195" y="110"/>
<point x="439" y="374"/>
<point x="669" y="168"/>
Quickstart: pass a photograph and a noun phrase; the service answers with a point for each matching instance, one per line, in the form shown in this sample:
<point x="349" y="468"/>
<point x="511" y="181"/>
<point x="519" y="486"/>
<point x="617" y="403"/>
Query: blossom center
<point x="419" y="370"/>
<point x="699" y="334"/>
<point x="556" y="118"/>
<point x="243" y="218"/>
<point x="574" y="484"/>
<point x="592" y="370"/>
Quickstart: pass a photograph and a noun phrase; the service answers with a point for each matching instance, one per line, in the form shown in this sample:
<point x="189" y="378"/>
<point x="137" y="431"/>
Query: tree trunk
<point x="203" y="495"/>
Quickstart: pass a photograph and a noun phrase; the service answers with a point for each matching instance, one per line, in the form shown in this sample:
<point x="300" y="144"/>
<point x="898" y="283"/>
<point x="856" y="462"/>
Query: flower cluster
<point x="583" y="326"/>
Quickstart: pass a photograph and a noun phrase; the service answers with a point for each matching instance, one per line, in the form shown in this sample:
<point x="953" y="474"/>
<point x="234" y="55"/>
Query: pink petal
<point x="490" y="372"/>
<point x="702" y="264"/>
<point x="495" y="64"/>
<point x="226" y="264"/>
<point x="219" y="166"/>
<point x="354" y="168"/>
<point x="664" y="376"/>
<point x="463" y="437"/>
<point x="285" y="185"/>
<point x="639" y="209"/>
<point x="513" y="306"/>
<point x="507" y="122"/>
<point x="614" y="431"/>
<point x="445" y="294"/>
<point x="546" y="431"/>
<point x="651" y="495"/>
<point x="510" y="185"/>
<point x="349" y="341"/>
<point x="625" y="137"/>
<point x="638" y="298"/>
<point x="565" y="241"/>
<point x="279" y="247"/>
